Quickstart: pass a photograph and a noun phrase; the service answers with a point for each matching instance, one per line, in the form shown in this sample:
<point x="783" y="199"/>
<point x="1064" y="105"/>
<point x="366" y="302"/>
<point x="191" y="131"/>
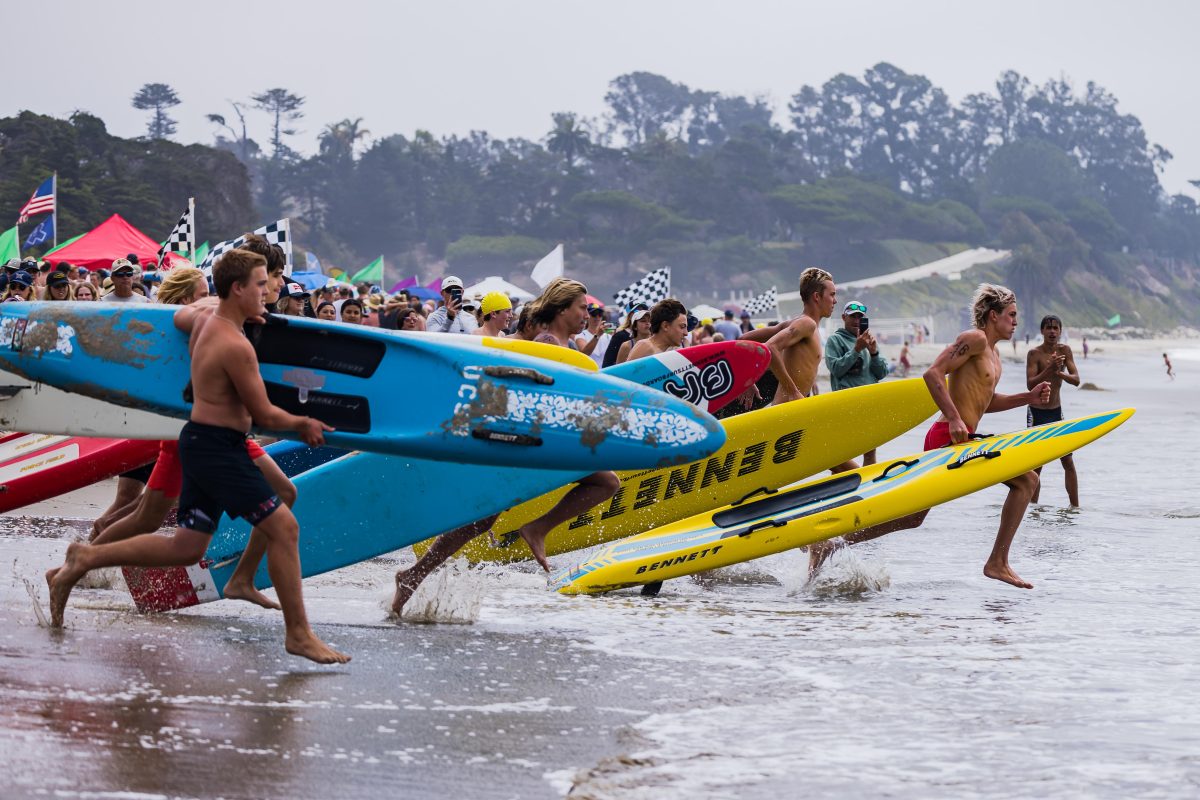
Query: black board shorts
<point x="218" y="476"/>
<point x="1042" y="416"/>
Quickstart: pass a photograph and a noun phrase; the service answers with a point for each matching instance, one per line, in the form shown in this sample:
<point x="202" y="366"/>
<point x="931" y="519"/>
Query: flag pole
<point x="54" y="190"/>
<point x="192" y="229"/>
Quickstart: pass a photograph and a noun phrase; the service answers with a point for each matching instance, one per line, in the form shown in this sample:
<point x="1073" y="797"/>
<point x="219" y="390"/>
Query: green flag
<point x="9" y="246"/>
<point x="200" y="254"/>
<point x="64" y="244"/>
<point x="371" y="273"/>
<point x="1115" y="320"/>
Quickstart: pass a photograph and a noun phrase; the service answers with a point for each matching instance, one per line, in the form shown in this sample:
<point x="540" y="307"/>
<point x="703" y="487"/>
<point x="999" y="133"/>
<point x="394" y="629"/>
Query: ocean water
<point x="900" y="672"/>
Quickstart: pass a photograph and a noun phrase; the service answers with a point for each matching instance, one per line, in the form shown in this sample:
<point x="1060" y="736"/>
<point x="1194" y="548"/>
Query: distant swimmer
<point x="1052" y="361"/>
<point x="1085" y="348"/>
<point x="218" y="474"/>
<point x="905" y="364"/>
<point x="973" y="366"/>
<point x="1170" y="371"/>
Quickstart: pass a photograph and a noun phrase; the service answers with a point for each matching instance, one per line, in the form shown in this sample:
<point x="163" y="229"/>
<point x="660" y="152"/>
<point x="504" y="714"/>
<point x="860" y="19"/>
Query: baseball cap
<point x="495" y="301"/>
<point x="745" y="315"/>
<point x="451" y="280"/>
<point x="122" y="266"/>
<point x="21" y="278"/>
<point x="641" y="312"/>
<point x="57" y="278"/>
<point x="294" y="290"/>
<point x="13" y="264"/>
<point x="855" y="307"/>
<point x="30" y="265"/>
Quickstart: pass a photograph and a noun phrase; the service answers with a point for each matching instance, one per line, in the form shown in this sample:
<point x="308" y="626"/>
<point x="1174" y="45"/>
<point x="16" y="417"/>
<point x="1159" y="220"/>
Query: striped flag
<point x="42" y="201"/>
<point x="766" y="302"/>
<point x="278" y="232"/>
<point x="650" y="289"/>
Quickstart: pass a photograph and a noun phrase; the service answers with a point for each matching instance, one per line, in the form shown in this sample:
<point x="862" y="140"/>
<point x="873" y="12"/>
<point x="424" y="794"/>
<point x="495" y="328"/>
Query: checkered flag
<point x="182" y="240"/>
<point x="278" y="232"/>
<point x="653" y="287"/>
<point x="764" y="303"/>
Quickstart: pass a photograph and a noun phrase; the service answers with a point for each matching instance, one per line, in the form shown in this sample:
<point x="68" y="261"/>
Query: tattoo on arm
<point x="961" y="350"/>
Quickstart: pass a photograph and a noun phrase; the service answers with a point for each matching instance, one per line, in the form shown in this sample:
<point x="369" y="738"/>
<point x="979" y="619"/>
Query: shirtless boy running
<point x="973" y="366"/>
<point x="1052" y="361"/>
<point x="218" y="475"/>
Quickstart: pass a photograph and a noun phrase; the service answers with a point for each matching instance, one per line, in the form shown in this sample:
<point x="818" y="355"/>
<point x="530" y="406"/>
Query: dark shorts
<point x="141" y="474"/>
<point x="219" y="476"/>
<point x="1042" y="416"/>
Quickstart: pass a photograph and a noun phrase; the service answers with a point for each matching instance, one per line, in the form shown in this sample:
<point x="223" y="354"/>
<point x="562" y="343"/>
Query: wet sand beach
<point x="900" y="672"/>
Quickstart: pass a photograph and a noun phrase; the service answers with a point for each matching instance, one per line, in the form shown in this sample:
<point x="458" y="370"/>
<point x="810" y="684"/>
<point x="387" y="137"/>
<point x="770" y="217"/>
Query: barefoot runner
<point x="1052" y="361"/>
<point x="973" y="366"/>
<point x="183" y="286"/>
<point x="218" y="475"/>
<point x="562" y="310"/>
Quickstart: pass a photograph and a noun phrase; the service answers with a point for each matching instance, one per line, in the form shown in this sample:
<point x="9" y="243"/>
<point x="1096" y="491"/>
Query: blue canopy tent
<point x="309" y="280"/>
<point x="423" y="293"/>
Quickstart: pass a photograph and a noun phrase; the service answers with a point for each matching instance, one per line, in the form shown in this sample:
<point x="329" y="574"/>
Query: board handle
<point x="984" y="454"/>
<point x="503" y="437"/>
<point x="528" y="373"/>
<point x="883" y="476"/>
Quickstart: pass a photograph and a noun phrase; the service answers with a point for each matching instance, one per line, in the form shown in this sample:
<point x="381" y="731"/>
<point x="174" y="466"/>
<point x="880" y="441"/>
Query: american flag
<point x="765" y="302"/>
<point x="42" y="201"/>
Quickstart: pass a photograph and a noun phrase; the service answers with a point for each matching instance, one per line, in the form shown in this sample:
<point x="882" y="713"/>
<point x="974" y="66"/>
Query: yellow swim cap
<point x="495" y="301"/>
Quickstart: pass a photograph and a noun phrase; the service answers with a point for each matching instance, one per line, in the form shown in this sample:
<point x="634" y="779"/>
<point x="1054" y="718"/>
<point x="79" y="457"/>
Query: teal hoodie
<point x="847" y="368"/>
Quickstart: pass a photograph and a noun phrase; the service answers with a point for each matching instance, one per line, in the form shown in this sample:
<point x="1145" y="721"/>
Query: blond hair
<point x="812" y="280"/>
<point x="559" y="294"/>
<point x="179" y="286"/>
<point x="990" y="297"/>
<point x="45" y="293"/>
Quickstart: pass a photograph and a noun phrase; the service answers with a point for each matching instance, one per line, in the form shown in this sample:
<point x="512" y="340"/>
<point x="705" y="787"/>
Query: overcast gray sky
<point x="450" y="66"/>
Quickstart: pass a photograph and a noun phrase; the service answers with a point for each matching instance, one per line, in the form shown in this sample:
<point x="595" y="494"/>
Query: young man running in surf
<point x="668" y="329"/>
<point x="1052" y="361"/>
<point x="218" y="475"/>
<point x="796" y="350"/>
<point x="561" y="311"/>
<point x="973" y="366"/>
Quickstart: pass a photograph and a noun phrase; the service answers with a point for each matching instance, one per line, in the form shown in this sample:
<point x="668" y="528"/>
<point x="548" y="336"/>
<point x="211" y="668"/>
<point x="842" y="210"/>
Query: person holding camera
<point x="852" y="355"/>
<point x="451" y="318"/>
<point x="597" y="333"/>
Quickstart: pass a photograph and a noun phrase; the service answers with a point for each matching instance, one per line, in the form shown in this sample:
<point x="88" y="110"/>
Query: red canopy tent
<point x="112" y="239"/>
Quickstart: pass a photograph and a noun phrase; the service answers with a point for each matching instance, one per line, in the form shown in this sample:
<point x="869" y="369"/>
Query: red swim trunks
<point x="167" y="476"/>
<point x="939" y="435"/>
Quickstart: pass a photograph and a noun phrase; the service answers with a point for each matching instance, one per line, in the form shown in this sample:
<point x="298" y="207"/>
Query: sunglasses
<point x="859" y="307"/>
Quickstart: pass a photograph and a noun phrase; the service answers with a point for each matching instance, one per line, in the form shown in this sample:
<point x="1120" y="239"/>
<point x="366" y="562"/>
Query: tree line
<point x="728" y="190"/>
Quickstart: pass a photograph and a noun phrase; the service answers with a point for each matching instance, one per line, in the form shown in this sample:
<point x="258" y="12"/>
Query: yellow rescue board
<point x="832" y="506"/>
<point x="764" y="449"/>
<point x="550" y="352"/>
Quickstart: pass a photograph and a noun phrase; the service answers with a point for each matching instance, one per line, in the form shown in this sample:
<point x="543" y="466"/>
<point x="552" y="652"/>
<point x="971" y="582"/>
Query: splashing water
<point x="846" y="574"/>
<point x="451" y="595"/>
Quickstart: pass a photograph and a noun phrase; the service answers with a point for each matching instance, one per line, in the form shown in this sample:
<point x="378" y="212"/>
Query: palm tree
<point x="339" y="139"/>
<point x="569" y="138"/>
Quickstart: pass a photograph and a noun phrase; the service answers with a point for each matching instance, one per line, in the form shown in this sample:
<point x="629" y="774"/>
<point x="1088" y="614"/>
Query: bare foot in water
<point x="819" y="553"/>
<point x="1003" y="572"/>
<point x="535" y="536"/>
<point x="404" y="592"/>
<point x="237" y="590"/>
<point x="62" y="580"/>
<point x="307" y="645"/>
